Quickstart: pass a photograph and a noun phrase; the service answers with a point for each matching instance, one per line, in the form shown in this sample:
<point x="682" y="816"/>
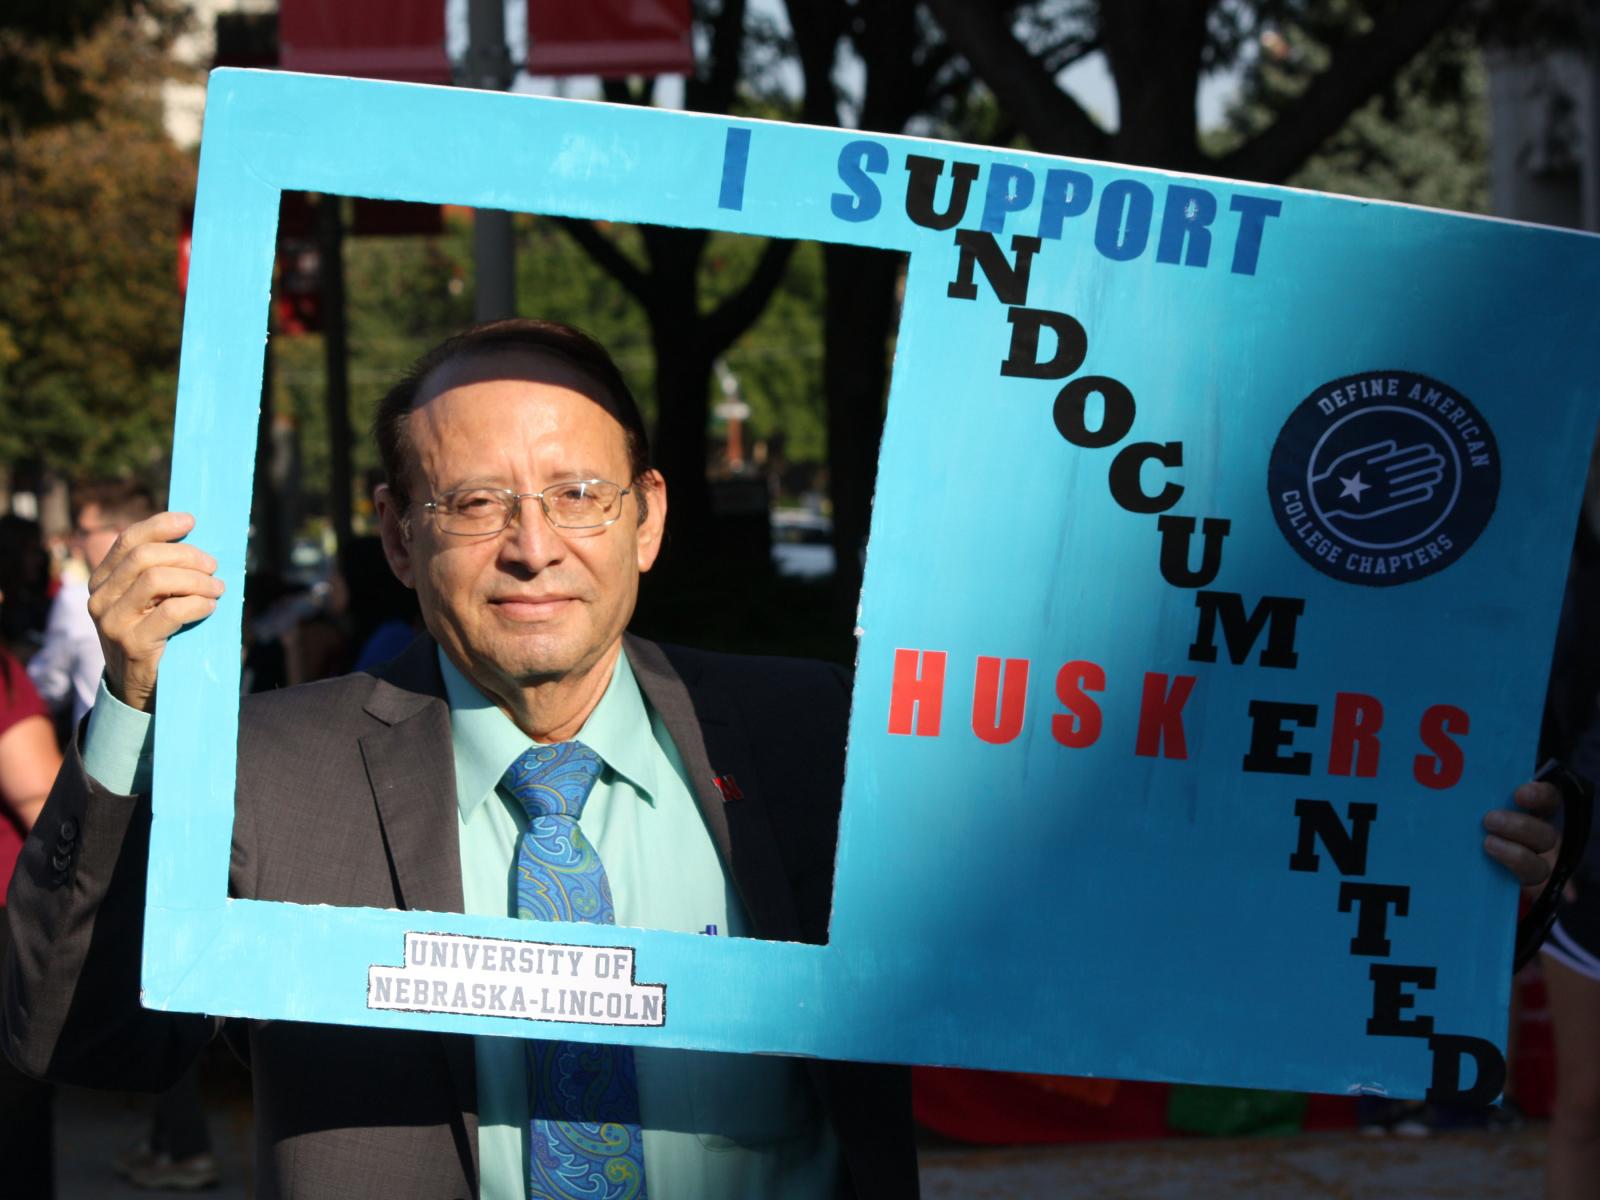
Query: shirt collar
<point x="485" y="741"/>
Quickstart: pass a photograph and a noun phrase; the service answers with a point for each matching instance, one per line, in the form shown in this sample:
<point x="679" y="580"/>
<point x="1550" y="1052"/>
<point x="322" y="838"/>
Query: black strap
<point x="1577" y="804"/>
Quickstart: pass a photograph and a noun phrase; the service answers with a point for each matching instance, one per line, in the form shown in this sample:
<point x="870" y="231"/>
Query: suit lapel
<point x="411" y="769"/>
<point x="706" y="728"/>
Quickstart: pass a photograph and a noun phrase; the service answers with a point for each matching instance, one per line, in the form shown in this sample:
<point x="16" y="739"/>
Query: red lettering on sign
<point x="1003" y="687"/>
<point x="1080" y="725"/>
<point x="1357" y="718"/>
<point x="1161" y="716"/>
<point x="1441" y="769"/>
<point x="917" y="692"/>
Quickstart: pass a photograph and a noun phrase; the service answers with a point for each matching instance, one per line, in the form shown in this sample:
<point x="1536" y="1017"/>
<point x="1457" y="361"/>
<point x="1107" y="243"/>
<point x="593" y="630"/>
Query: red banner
<point x="609" y="38"/>
<point x="377" y="39"/>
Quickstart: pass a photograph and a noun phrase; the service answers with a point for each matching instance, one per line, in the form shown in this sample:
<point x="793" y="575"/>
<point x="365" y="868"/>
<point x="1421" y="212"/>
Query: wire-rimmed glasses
<point x="570" y="504"/>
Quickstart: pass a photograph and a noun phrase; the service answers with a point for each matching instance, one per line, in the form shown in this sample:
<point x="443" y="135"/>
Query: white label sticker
<point x="536" y="981"/>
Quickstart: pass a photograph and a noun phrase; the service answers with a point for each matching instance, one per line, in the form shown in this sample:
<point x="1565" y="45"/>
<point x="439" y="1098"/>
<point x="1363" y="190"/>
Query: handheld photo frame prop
<point x="1219" y="537"/>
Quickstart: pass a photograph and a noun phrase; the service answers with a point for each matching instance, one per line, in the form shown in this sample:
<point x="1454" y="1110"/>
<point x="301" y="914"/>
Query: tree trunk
<point x="858" y="320"/>
<point x="683" y="384"/>
<point x="335" y="340"/>
<point x="683" y="380"/>
<point x="1153" y="49"/>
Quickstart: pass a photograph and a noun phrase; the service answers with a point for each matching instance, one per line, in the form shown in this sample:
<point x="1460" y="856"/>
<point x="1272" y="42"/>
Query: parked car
<point x="802" y="543"/>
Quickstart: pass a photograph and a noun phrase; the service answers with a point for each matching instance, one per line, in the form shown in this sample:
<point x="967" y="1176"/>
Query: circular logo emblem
<point x="1383" y="477"/>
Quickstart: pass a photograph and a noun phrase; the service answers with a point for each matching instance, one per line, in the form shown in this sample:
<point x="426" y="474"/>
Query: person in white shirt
<point x="66" y="670"/>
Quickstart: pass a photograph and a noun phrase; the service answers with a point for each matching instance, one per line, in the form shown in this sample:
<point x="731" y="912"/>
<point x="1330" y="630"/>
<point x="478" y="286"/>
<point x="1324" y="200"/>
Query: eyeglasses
<point x="573" y="504"/>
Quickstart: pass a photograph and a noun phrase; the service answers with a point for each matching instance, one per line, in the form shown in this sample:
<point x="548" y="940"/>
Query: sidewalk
<point x="93" y="1126"/>
<point x="1313" y="1166"/>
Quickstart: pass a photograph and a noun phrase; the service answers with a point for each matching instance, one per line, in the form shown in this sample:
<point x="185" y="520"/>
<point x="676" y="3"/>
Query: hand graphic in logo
<point x="1377" y="480"/>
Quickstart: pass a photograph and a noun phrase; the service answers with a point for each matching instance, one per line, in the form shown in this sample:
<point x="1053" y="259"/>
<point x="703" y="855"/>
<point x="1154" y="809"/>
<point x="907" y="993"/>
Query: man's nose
<point x="530" y="539"/>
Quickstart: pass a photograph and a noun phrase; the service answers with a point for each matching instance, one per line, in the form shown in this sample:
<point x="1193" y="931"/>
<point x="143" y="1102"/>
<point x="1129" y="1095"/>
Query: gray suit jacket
<point x="346" y="796"/>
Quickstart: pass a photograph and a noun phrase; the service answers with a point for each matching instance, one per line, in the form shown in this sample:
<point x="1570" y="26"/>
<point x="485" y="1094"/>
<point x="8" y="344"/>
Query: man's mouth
<point x="530" y="608"/>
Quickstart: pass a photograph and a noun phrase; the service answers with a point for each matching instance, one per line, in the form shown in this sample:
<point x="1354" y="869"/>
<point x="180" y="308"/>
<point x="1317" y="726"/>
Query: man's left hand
<point x="1521" y="841"/>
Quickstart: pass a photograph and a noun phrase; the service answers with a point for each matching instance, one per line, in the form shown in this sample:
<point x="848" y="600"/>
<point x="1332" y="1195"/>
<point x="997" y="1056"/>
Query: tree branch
<point x="1054" y="122"/>
<point x="603" y="251"/>
<point x="725" y="323"/>
<point x="1359" y="70"/>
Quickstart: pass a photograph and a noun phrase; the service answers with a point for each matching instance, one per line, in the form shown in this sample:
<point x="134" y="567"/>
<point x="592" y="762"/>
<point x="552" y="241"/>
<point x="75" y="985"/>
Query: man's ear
<point x="394" y="527"/>
<point x="651" y="492"/>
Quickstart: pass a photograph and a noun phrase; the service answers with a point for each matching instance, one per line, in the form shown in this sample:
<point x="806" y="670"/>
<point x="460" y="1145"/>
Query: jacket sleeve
<point x="70" y="1010"/>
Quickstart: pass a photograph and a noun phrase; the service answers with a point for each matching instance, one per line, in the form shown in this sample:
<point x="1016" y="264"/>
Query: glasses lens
<point x="474" y="510"/>
<point x="582" y="504"/>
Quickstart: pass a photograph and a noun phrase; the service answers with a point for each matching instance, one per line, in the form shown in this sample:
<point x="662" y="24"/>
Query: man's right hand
<point x="148" y="587"/>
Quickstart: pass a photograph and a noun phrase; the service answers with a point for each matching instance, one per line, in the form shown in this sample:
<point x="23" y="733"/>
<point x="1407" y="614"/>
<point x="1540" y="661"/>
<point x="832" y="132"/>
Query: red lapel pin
<point x="729" y="787"/>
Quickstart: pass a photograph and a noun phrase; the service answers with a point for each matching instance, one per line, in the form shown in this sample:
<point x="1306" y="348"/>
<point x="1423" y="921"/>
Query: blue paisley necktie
<point x="584" y="1135"/>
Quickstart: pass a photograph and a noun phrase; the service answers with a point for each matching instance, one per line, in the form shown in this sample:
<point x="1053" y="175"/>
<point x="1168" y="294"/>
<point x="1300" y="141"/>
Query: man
<point x="67" y="667"/>
<point x="521" y="507"/>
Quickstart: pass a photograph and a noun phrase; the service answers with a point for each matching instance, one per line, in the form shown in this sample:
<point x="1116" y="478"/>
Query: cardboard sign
<point x="1218" y="542"/>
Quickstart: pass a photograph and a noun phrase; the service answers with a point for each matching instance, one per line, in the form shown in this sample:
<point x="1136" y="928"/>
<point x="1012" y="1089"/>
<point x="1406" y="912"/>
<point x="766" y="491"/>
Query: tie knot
<point x="554" y="780"/>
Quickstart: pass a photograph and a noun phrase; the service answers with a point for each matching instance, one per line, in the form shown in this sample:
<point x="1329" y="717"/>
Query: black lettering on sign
<point x="1449" y="1051"/>
<point x="1008" y="278"/>
<point x="1278" y="615"/>
<point x="1372" y="903"/>
<point x="1022" y="361"/>
<point x="1116" y="411"/>
<point x="1390" y="999"/>
<point x="924" y="182"/>
<point x="1268" y="736"/>
<point x="1176" y="535"/>
<point x="1348" y="847"/>
<point x="1126" y="489"/>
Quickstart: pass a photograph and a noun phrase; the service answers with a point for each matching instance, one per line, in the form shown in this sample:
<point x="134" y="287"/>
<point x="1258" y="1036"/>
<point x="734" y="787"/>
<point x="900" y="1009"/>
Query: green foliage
<point x="406" y="294"/>
<point x="403" y="295"/>
<point x="778" y="363"/>
<point x="90" y="206"/>
<point x="1423" y="140"/>
<point x="63" y="61"/>
<point x="1426" y="141"/>
<point x="557" y="280"/>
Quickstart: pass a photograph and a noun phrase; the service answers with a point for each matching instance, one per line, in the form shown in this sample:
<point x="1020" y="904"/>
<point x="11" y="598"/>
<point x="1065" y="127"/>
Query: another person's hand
<point x="147" y="588"/>
<point x="1522" y="841"/>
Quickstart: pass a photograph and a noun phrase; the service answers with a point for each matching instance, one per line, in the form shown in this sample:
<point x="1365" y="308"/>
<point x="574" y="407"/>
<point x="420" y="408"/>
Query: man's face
<point x="531" y="604"/>
<point x="95" y="534"/>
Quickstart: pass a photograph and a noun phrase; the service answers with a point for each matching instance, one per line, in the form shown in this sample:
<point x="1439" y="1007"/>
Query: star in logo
<point x="1353" y="487"/>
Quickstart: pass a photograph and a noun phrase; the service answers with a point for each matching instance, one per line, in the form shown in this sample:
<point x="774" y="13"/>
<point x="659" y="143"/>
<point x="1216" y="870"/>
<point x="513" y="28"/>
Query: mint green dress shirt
<point x="716" y="1126"/>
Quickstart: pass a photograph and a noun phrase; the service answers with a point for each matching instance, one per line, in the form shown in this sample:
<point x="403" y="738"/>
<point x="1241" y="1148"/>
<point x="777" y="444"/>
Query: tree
<point x="63" y="61"/>
<point x="1424" y="139"/>
<point x="686" y="335"/>
<point x="91" y="195"/>
<point x="1157" y="51"/>
<point x="907" y="75"/>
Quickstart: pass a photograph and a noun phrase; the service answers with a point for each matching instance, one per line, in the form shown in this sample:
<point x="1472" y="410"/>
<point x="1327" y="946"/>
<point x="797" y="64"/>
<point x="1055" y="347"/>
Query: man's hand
<point x="1519" y="841"/>
<point x="147" y="588"/>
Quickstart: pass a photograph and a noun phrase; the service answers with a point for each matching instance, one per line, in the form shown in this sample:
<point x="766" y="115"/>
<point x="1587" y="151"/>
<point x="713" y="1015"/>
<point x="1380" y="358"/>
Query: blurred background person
<point x="66" y="670"/>
<point x="384" y="616"/>
<point x="1570" y="962"/>
<point x="26" y="585"/>
<point x="29" y="759"/>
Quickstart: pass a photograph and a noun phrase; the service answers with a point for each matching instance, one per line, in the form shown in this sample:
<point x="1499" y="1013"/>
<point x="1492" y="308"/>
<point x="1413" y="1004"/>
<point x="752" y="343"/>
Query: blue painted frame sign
<point x="1219" y="537"/>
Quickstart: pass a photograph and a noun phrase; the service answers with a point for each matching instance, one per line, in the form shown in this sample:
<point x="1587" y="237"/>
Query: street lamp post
<point x="487" y="64"/>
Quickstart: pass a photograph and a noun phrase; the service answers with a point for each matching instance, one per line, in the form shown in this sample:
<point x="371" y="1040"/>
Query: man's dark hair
<point x="120" y="501"/>
<point x="571" y="346"/>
